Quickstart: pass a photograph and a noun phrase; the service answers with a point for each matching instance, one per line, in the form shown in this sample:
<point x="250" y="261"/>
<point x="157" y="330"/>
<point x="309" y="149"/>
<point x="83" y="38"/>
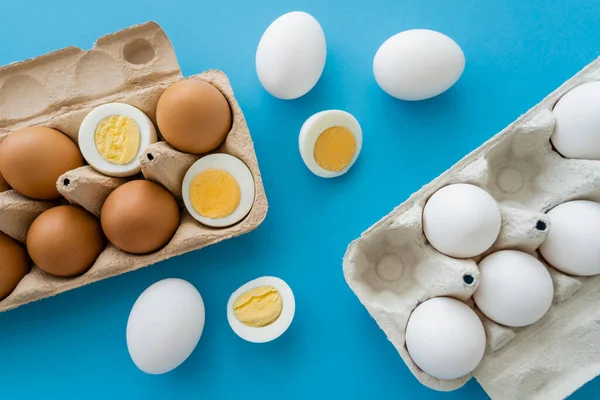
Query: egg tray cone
<point x="58" y="90"/>
<point x="520" y="169"/>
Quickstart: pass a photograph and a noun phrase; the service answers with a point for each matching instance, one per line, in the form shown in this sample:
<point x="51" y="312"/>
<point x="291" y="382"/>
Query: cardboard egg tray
<point x="58" y="90"/>
<point x="392" y="268"/>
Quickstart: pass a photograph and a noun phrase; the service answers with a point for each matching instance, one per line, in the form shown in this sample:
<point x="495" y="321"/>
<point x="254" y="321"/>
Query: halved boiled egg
<point x="218" y="190"/>
<point x="113" y="136"/>
<point x="261" y="310"/>
<point x="330" y="142"/>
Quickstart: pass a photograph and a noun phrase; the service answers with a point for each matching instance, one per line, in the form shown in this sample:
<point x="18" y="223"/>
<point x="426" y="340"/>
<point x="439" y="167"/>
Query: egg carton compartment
<point x="57" y="90"/>
<point x="392" y="268"/>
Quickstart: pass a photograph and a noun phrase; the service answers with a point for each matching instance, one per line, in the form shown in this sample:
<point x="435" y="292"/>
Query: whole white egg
<point x="515" y="289"/>
<point x="165" y="325"/>
<point x="418" y="64"/>
<point x="445" y="338"/>
<point x="573" y="241"/>
<point x="577" y="130"/>
<point x="461" y="220"/>
<point x="291" y="55"/>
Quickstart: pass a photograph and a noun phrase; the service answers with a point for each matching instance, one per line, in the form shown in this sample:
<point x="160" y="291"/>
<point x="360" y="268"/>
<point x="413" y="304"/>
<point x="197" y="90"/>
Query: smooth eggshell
<point x="515" y="289"/>
<point x="3" y="185"/>
<point x="32" y="159"/>
<point x="65" y="241"/>
<point x="165" y="325"/>
<point x="577" y="131"/>
<point x="445" y="338"/>
<point x="14" y="264"/>
<point x="461" y="220"/>
<point x="140" y="217"/>
<point x="573" y="241"/>
<point x="418" y="64"/>
<point x="291" y="54"/>
<point x="193" y="116"/>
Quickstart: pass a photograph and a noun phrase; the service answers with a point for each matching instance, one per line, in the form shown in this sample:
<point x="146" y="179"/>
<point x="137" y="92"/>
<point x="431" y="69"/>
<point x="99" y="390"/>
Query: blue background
<point x="73" y="345"/>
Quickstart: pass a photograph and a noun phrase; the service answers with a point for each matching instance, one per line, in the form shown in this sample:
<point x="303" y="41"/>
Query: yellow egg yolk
<point x="258" y="307"/>
<point x="215" y="193"/>
<point x="335" y="148"/>
<point x="117" y="139"/>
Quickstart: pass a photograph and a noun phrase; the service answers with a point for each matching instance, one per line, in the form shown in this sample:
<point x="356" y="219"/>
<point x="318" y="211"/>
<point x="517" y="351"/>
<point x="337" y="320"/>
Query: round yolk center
<point x="335" y="148"/>
<point x="215" y="193"/>
<point x="117" y="139"/>
<point x="258" y="307"/>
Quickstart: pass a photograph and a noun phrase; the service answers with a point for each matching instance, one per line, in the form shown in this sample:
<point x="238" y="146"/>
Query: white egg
<point x="165" y="325"/>
<point x="330" y="142"/>
<point x="418" y="64"/>
<point x="261" y="310"/>
<point x="445" y="338"/>
<point x="113" y="136"/>
<point x="573" y="241"/>
<point x="291" y="55"/>
<point x="515" y="289"/>
<point x="577" y="130"/>
<point x="461" y="220"/>
<point x="218" y="190"/>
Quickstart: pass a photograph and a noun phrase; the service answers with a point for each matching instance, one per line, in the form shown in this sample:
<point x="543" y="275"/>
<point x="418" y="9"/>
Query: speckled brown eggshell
<point x="32" y="159"/>
<point x="65" y="241"/>
<point x="14" y="264"/>
<point x="140" y="217"/>
<point x="3" y="185"/>
<point x="193" y="116"/>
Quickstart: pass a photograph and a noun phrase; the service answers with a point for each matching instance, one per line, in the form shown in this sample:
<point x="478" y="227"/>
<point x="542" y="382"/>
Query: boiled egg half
<point x="112" y="137"/>
<point x="218" y="190"/>
<point x="261" y="310"/>
<point x="330" y="142"/>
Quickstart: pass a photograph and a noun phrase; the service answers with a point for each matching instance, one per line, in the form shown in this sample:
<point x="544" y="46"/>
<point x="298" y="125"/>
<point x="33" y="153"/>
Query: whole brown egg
<point x="32" y="159"/>
<point x="193" y="116"/>
<point x="65" y="241"/>
<point x="140" y="217"/>
<point x="14" y="264"/>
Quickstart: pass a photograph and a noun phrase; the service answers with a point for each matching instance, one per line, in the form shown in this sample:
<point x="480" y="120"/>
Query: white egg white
<point x="240" y="173"/>
<point x="87" y="143"/>
<point x="312" y="129"/>
<point x="279" y="326"/>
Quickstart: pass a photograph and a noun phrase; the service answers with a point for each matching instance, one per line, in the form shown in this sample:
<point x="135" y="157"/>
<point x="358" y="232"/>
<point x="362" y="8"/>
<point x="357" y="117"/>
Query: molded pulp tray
<point x="392" y="268"/>
<point x="57" y="90"/>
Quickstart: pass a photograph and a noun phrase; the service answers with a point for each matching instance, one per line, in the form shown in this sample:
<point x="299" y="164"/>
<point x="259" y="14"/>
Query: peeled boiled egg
<point x="218" y="190"/>
<point x="418" y="64"/>
<point x="330" y="142"/>
<point x="33" y="158"/>
<point x="461" y="220"/>
<point x="65" y="241"/>
<point x="515" y="289"/>
<point x="140" y="217"/>
<point x="113" y="136"/>
<point x="445" y="338"/>
<point x="573" y="241"/>
<point x="291" y="55"/>
<point x="577" y="130"/>
<point x="165" y="325"/>
<point x="261" y="310"/>
<point x="14" y="264"/>
<point x="193" y="116"/>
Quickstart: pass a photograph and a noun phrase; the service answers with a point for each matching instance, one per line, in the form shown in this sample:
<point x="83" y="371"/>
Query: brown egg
<point x="32" y="159"/>
<point x="65" y="241"/>
<point x="193" y="116"/>
<point x="140" y="217"/>
<point x="14" y="264"/>
<point x="3" y="185"/>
